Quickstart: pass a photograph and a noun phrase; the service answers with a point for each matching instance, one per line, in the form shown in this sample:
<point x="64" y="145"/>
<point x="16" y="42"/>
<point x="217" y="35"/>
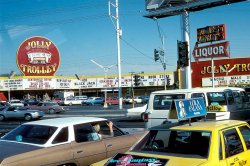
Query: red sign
<point x="211" y="51"/>
<point x="38" y="56"/>
<point x="222" y="67"/>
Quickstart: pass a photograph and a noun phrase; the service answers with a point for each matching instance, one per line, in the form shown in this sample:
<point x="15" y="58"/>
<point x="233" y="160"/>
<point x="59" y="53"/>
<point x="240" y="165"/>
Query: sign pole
<point x="212" y="61"/>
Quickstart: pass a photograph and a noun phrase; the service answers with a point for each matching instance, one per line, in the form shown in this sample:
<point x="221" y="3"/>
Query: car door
<point x="87" y="147"/>
<point x="235" y="151"/>
<point x="12" y="112"/>
<point x="118" y="142"/>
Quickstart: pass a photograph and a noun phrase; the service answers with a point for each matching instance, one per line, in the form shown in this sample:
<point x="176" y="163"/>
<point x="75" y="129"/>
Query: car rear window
<point x="176" y="142"/>
<point x="164" y="102"/>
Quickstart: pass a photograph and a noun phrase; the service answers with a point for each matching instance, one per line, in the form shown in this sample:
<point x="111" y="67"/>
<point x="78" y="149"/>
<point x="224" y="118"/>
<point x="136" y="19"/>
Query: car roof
<point x="61" y="122"/>
<point x="208" y="125"/>
<point x="197" y="90"/>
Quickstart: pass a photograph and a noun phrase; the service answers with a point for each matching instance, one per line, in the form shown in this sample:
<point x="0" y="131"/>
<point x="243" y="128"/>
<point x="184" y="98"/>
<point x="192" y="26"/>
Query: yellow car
<point x="211" y="143"/>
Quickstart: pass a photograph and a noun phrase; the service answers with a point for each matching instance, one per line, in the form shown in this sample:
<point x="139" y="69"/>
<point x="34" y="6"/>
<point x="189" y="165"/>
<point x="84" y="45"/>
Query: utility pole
<point x="118" y="35"/>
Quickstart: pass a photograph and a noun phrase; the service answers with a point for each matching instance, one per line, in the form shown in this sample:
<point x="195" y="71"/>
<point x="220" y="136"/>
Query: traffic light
<point x="137" y="80"/>
<point x="182" y="54"/>
<point x="156" y="55"/>
<point x="168" y="80"/>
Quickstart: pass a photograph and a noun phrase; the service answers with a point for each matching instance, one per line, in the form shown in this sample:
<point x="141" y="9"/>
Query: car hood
<point x="12" y="148"/>
<point x="154" y="159"/>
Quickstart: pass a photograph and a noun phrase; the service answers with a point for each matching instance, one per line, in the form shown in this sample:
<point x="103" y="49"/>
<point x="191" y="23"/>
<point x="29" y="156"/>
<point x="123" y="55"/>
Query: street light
<point x="12" y="74"/>
<point x="106" y="69"/>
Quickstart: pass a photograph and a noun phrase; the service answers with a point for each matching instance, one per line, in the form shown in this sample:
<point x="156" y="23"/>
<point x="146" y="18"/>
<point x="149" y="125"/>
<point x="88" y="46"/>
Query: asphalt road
<point x="112" y="113"/>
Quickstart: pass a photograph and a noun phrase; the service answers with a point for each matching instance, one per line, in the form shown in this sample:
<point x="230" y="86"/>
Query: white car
<point x="16" y="102"/>
<point x="137" y="112"/>
<point x="137" y="99"/>
<point x="72" y="101"/>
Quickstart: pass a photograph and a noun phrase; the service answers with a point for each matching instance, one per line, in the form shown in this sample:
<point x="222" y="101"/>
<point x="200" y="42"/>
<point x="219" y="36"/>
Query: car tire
<point x="109" y="103"/>
<point x="2" y="117"/>
<point x="27" y="117"/>
<point x="51" y="111"/>
<point x="70" y="104"/>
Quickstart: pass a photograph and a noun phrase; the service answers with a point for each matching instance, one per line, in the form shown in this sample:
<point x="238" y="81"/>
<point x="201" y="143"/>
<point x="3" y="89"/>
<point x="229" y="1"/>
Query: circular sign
<point x="38" y="56"/>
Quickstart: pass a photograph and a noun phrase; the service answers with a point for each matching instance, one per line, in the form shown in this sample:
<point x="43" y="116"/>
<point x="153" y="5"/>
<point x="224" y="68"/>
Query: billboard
<point x="166" y="8"/>
<point x="38" y="56"/>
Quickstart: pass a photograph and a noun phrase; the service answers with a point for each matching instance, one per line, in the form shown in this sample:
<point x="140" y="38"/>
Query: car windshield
<point x="35" y="134"/>
<point x="195" y="143"/>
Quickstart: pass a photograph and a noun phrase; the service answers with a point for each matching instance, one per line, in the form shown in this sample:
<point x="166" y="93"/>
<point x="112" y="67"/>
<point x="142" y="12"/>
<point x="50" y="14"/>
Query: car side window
<point x="245" y="132"/>
<point x="103" y="129"/>
<point x="11" y="109"/>
<point x="233" y="143"/>
<point x="84" y="133"/>
<point x="197" y="95"/>
<point x="62" y="136"/>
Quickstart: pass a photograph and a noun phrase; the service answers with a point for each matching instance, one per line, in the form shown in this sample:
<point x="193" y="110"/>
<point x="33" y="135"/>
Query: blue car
<point x="94" y="100"/>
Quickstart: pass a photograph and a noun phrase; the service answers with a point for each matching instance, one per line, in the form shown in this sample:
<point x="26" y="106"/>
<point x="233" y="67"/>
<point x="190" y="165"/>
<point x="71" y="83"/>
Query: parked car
<point x="112" y="101"/>
<point x="15" y="112"/>
<point x="93" y="101"/>
<point x="137" y="99"/>
<point x="15" y="102"/>
<point x="200" y="143"/>
<point x="145" y="99"/>
<point x="72" y="101"/>
<point x="64" y="141"/>
<point x="48" y="107"/>
<point x="84" y="97"/>
<point x="3" y="103"/>
<point x="30" y="102"/>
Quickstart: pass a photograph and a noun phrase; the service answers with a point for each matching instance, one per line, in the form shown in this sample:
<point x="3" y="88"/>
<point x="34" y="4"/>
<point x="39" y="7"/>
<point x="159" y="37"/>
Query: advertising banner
<point x="189" y="108"/>
<point x="135" y="160"/>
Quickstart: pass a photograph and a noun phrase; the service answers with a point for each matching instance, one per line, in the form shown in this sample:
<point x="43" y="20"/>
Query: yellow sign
<point x="215" y="108"/>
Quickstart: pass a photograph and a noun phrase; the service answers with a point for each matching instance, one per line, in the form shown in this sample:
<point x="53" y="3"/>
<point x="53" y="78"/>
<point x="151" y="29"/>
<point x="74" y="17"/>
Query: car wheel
<point x="109" y="103"/>
<point x="27" y="117"/>
<point x="2" y="117"/>
<point x="70" y="104"/>
<point x="51" y="111"/>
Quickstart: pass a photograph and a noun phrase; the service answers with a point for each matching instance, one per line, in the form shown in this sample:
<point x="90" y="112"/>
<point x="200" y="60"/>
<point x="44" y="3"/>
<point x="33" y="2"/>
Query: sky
<point x="83" y="31"/>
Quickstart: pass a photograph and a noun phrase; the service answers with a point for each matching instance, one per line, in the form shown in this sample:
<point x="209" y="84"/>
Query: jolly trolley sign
<point x="211" y="34"/>
<point x="38" y="56"/>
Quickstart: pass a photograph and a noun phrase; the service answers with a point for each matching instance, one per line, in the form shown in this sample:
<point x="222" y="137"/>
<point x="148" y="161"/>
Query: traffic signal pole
<point x="162" y="52"/>
<point x="185" y="37"/>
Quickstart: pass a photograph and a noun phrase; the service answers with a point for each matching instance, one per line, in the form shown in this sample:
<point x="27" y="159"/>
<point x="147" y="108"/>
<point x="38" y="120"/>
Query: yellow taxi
<point x="211" y="143"/>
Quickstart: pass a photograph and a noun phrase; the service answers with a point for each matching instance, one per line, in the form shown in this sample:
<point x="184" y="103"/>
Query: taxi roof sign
<point x="190" y="108"/>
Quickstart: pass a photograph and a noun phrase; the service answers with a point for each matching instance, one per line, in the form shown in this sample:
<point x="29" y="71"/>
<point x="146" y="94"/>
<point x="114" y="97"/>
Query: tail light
<point x="145" y="117"/>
